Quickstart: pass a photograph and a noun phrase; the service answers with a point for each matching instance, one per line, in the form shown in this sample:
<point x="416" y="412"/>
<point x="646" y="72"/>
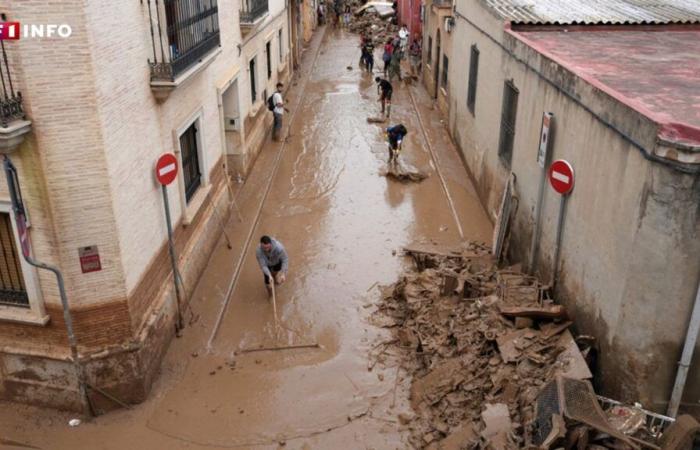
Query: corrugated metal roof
<point x="600" y="12"/>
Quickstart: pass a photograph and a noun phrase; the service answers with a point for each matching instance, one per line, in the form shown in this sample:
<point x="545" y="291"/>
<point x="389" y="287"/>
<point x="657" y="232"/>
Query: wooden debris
<point x="540" y="312"/>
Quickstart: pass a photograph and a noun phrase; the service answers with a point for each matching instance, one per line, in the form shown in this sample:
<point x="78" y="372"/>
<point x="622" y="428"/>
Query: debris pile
<point x="374" y="21"/>
<point x="481" y="344"/>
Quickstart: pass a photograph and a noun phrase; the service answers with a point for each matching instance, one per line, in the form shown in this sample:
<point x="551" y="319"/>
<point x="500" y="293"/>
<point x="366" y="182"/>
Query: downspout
<point x="684" y="364"/>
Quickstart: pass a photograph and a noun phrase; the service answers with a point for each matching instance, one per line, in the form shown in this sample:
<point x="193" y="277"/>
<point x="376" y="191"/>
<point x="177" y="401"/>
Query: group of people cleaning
<point x="395" y="50"/>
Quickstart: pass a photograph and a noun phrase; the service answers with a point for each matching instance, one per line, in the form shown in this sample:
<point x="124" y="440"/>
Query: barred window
<point x="445" y="68"/>
<point x="473" y="73"/>
<point x="12" y="288"/>
<point x="508" y="115"/>
<point x="190" y="161"/>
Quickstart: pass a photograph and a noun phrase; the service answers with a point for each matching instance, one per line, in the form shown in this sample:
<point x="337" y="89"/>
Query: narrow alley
<point x="321" y="192"/>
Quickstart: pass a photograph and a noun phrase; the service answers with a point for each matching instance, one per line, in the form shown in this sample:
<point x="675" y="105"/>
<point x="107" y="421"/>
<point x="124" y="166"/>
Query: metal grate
<point x="251" y="10"/>
<point x="12" y="288"/>
<point x="473" y="74"/>
<point x="547" y="405"/>
<point x="190" y="161"/>
<point x="508" y="116"/>
<point x="575" y="400"/>
<point x="182" y="32"/>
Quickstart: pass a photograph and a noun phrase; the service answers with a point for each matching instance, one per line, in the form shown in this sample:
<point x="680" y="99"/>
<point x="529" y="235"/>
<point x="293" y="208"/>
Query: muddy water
<point x="343" y="225"/>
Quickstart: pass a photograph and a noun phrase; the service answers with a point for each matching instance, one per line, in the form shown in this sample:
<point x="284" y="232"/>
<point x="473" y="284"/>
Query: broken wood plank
<point x="544" y="312"/>
<point x="284" y="347"/>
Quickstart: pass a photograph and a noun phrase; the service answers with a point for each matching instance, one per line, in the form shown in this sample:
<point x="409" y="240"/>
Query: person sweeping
<point x="273" y="261"/>
<point x="395" y="136"/>
<point x="385" y="90"/>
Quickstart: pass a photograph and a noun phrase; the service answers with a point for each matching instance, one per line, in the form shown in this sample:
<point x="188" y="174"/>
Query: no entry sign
<point x="166" y="169"/>
<point x="561" y="176"/>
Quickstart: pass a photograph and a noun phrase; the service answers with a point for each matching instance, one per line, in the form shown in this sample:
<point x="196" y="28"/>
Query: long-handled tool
<point x="277" y="330"/>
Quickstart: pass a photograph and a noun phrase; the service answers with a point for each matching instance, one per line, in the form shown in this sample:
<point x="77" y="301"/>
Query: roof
<point x="598" y="12"/>
<point x="657" y="73"/>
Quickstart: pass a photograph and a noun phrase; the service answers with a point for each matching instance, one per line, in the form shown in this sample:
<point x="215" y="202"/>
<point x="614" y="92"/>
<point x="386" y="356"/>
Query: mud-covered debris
<point x="497" y="426"/>
<point x="404" y="171"/>
<point x="463" y="353"/>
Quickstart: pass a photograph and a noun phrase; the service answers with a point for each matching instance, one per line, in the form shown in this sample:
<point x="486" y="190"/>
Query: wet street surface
<point x="322" y="194"/>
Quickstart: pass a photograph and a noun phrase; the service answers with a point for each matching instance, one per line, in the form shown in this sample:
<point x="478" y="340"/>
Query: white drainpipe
<point x="683" y="366"/>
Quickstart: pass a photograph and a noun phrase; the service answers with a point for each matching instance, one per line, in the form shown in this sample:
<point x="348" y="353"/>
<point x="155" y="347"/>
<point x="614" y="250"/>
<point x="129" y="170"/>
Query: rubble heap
<point x="370" y="23"/>
<point x="480" y="344"/>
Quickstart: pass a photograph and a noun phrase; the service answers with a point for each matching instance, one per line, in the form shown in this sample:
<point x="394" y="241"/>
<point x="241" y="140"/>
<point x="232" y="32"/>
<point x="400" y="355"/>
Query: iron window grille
<point x="13" y="291"/>
<point x="508" y="116"/>
<point x="190" y="161"/>
<point x="445" y="67"/>
<point x="429" y="56"/>
<point x="182" y="33"/>
<point x="252" y="10"/>
<point x="268" y="54"/>
<point x="473" y="74"/>
<point x="253" y="87"/>
<point x="279" y="42"/>
<point x="11" y="101"/>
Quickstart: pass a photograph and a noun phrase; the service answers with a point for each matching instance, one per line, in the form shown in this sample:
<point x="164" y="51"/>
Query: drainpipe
<point x="684" y="364"/>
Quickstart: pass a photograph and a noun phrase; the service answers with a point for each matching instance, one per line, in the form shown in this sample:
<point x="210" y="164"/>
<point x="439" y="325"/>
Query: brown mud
<point x="343" y="225"/>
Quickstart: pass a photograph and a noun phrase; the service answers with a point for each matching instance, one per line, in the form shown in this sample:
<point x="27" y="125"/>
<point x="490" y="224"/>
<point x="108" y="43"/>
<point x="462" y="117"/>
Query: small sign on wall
<point x="89" y="259"/>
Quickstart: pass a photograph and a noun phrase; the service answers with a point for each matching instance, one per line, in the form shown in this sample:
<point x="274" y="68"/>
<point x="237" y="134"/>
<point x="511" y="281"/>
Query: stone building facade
<point x="132" y="81"/>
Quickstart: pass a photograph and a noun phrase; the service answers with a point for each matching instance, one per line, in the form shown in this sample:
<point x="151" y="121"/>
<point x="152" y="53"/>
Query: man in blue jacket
<point x="395" y="137"/>
<point x="273" y="261"/>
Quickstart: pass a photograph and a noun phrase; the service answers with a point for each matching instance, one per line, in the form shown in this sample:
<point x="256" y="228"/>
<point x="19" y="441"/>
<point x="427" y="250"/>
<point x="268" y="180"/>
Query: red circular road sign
<point x="166" y="169"/>
<point x="561" y="176"/>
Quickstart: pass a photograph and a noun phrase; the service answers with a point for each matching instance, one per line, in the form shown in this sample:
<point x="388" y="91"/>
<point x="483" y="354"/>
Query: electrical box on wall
<point x="232" y="124"/>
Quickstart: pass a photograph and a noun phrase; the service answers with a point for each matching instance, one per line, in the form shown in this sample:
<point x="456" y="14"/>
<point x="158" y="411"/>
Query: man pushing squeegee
<point x="274" y="263"/>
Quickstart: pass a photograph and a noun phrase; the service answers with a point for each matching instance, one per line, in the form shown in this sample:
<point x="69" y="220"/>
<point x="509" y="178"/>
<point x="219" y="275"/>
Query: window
<point x="268" y="54"/>
<point x="429" y="57"/>
<point x="190" y="161"/>
<point x="192" y="29"/>
<point x="508" y="114"/>
<point x="253" y="89"/>
<point x="281" y="48"/>
<point x="445" y="66"/>
<point x="473" y="73"/>
<point x="13" y="291"/>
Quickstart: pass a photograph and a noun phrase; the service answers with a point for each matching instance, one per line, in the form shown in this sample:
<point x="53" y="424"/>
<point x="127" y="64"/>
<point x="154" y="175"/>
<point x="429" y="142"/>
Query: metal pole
<point x="684" y="364"/>
<point x="536" y="231"/>
<point x="560" y="226"/>
<point x="173" y="260"/>
<point x="18" y="207"/>
<point x="68" y="319"/>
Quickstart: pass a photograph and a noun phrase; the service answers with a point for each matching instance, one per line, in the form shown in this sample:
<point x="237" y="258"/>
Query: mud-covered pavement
<point x="343" y="224"/>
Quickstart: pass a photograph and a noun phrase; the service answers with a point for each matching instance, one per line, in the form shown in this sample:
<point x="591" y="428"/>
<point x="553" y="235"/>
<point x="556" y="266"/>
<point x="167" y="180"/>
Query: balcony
<point x="442" y="5"/>
<point x="252" y="13"/>
<point x="13" y="124"/>
<point x="185" y="37"/>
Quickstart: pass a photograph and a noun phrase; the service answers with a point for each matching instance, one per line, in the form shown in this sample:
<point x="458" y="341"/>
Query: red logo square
<point x="9" y="31"/>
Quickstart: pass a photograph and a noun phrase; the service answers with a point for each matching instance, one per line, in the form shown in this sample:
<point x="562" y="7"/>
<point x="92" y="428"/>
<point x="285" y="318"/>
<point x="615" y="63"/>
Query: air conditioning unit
<point x="449" y="24"/>
<point x="232" y="124"/>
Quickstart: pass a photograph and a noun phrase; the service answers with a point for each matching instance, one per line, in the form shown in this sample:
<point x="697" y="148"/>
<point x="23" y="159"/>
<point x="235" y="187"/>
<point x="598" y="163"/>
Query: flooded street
<point x="321" y="193"/>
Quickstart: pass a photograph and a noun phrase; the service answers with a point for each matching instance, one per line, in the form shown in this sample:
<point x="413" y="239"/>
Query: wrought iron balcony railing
<point x="252" y="10"/>
<point x="182" y="32"/>
<point x="11" y="100"/>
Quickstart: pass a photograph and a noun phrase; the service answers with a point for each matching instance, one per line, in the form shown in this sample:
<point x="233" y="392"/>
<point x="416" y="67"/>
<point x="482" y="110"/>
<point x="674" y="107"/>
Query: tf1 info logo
<point x="12" y="31"/>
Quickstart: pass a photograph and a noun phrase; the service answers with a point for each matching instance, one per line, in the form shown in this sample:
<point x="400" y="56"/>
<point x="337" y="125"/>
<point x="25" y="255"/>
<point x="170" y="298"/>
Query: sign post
<point x="561" y="178"/>
<point x="542" y="158"/>
<point x="166" y="172"/>
<point x="21" y="222"/>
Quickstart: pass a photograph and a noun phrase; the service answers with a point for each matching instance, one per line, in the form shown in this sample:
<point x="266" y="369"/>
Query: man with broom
<point x="273" y="261"/>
